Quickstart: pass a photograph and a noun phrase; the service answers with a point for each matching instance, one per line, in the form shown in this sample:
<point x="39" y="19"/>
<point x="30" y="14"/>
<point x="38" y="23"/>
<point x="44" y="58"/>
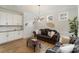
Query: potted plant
<point x="74" y="26"/>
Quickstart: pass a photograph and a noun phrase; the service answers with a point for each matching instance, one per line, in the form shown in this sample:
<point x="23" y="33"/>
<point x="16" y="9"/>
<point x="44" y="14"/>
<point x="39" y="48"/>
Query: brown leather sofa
<point x="45" y="37"/>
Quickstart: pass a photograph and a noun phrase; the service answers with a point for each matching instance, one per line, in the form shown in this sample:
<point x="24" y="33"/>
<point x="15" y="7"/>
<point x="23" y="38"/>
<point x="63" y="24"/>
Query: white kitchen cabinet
<point x="19" y="19"/>
<point x="20" y="34"/>
<point x="3" y="18"/>
<point x="17" y="35"/>
<point x="14" y="21"/>
<point x="11" y="36"/>
<point x="8" y="22"/>
<point x="3" y="38"/>
<point x="14" y="35"/>
<point x="9" y="19"/>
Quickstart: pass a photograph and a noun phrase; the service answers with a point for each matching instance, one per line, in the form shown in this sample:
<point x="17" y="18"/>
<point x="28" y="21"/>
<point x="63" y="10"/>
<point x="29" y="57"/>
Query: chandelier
<point x="38" y="18"/>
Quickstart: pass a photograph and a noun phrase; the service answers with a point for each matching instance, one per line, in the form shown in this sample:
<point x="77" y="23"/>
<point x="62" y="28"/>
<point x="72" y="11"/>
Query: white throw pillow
<point x="67" y="48"/>
<point x="52" y="33"/>
<point x="49" y="33"/>
<point x="38" y="32"/>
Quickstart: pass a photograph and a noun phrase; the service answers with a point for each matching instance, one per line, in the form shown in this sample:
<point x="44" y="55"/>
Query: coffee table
<point x="34" y="43"/>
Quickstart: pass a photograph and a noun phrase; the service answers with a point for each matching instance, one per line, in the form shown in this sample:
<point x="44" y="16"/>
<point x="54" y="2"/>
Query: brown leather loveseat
<point x="45" y="37"/>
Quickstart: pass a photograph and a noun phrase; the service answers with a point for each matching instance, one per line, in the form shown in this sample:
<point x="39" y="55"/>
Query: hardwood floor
<point x="19" y="46"/>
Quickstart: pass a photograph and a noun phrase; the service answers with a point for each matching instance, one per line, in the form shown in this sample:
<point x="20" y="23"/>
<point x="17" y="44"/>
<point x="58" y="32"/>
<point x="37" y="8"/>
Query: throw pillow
<point x="66" y="48"/>
<point x="65" y="39"/>
<point x="76" y="41"/>
<point x="52" y="33"/>
<point x="49" y="33"/>
<point x="38" y="32"/>
<point x="76" y="49"/>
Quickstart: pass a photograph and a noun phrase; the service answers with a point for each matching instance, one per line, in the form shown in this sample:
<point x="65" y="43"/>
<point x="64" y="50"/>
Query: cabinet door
<point x="10" y="19"/>
<point x="14" y="35"/>
<point x="11" y="36"/>
<point x="14" y="21"/>
<point x="20" y="34"/>
<point x="3" y="38"/>
<point x="3" y="18"/>
<point x="17" y="35"/>
<point x="19" y="19"/>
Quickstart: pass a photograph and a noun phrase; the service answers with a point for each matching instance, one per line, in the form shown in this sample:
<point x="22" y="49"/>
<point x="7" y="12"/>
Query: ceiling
<point x="35" y="8"/>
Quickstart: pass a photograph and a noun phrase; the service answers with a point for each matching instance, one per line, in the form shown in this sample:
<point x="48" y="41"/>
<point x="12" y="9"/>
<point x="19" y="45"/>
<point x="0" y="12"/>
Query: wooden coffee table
<point x="34" y="43"/>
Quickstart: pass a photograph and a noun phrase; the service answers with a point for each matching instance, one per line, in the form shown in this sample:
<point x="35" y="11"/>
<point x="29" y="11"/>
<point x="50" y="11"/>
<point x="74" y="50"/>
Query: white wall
<point x="29" y="28"/>
<point x="45" y="10"/>
<point x="61" y="26"/>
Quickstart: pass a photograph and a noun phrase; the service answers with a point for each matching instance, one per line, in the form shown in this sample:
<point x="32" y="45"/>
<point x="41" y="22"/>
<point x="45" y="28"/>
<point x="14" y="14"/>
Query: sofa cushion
<point x="66" y="48"/>
<point x="52" y="50"/>
<point x="38" y="32"/>
<point x="76" y="49"/>
<point x="43" y="36"/>
<point x="51" y="33"/>
<point x="43" y="32"/>
<point x="76" y="41"/>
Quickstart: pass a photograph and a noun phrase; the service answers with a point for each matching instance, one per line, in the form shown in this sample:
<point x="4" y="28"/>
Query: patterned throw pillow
<point x="38" y="32"/>
<point x="51" y="33"/>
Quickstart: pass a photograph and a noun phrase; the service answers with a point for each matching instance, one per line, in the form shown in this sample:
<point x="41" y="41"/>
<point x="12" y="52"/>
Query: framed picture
<point x="63" y="16"/>
<point x="39" y="18"/>
<point x="49" y="18"/>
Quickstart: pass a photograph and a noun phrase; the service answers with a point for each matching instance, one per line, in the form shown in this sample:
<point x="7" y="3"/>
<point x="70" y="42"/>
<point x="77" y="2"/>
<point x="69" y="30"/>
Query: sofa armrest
<point x="65" y="39"/>
<point x="50" y="51"/>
